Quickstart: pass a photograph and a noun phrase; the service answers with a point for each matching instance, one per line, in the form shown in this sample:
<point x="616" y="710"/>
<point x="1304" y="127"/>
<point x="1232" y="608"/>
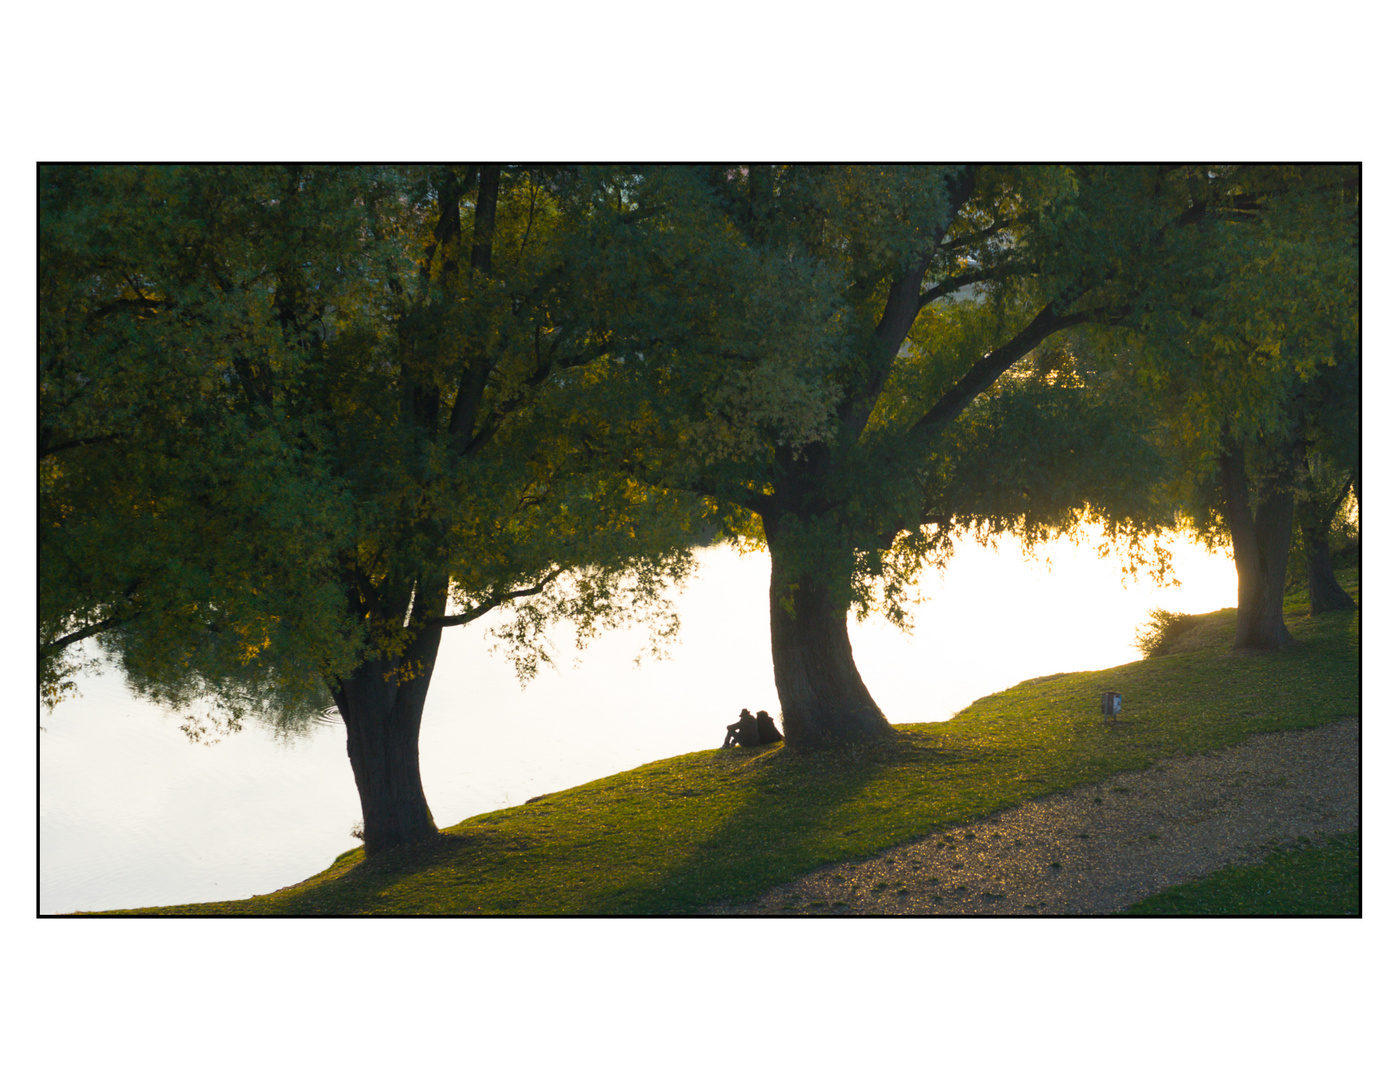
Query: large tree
<point x="1256" y="368"/>
<point x="941" y="393"/>
<point x="295" y="422"/>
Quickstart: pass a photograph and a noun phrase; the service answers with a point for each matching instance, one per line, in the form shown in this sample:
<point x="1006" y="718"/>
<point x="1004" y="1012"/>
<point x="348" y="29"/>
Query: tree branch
<point x="544" y="371"/>
<point x="900" y="311"/>
<point x="757" y="502"/>
<point x="45" y="451"/>
<point x="494" y="602"/>
<point x="483" y="239"/>
<point x="143" y="306"/>
<point x="998" y="225"/>
<point x="1340" y="498"/>
<point x="471" y="387"/>
<point x="994" y="364"/>
<point x="54" y="647"/>
<point x="631" y="217"/>
<point x="950" y="285"/>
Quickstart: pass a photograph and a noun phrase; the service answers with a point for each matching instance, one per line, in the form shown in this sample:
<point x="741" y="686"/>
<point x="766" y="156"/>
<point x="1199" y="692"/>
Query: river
<point x="131" y="813"/>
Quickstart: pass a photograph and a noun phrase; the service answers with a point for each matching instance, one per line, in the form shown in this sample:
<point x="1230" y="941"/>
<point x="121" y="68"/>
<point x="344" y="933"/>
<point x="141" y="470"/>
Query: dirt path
<point x="1102" y="847"/>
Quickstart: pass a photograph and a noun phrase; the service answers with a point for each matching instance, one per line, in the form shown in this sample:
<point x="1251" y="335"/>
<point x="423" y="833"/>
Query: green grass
<point x="677" y="835"/>
<point x="1310" y="879"/>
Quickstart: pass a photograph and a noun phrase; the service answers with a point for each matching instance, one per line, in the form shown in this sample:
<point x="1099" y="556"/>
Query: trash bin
<point x="1111" y="704"/>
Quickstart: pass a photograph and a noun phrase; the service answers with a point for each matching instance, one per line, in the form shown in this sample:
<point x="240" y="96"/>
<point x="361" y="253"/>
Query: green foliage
<point x="158" y="493"/>
<point x="877" y="360"/>
<point x="282" y="407"/>
<point x="296" y="417"/>
<point x="1260" y="350"/>
<point x="1158" y="632"/>
<point x="1166" y="633"/>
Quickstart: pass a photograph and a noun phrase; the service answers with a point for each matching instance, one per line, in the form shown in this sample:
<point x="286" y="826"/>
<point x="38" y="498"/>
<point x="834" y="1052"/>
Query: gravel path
<point x="1102" y="847"/>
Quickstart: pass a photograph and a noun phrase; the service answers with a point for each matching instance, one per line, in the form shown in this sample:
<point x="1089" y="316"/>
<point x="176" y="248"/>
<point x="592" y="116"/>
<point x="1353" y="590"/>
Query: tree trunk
<point x="1326" y="593"/>
<point x="1316" y="514"/>
<point x="382" y="712"/>
<point x="823" y="699"/>
<point x="1261" y="544"/>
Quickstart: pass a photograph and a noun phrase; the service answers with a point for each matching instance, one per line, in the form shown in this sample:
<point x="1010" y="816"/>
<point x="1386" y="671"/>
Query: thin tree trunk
<point x="824" y="701"/>
<point x="382" y="711"/>
<point x="1326" y="593"/>
<point x="1261" y="543"/>
<point x="1316" y="515"/>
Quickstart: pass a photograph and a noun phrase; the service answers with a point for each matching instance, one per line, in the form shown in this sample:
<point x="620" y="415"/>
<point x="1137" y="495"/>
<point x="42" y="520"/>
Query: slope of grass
<point x="677" y="835"/>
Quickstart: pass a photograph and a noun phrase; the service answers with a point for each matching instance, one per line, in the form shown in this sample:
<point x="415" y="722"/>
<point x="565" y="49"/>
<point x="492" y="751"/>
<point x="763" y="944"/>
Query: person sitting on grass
<point x="752" y="730"/>
<point x="743" y="733"/>
<point x="767" y="728"/>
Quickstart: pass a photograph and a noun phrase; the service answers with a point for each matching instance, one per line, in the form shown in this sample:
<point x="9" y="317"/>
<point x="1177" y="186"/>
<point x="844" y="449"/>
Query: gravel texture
<point x="1101" y="847"/>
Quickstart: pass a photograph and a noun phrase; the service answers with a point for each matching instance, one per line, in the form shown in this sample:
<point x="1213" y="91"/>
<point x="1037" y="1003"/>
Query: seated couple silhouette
<point x="752" y="730"/>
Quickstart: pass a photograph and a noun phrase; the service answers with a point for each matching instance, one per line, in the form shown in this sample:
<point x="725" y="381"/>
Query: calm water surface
<point x="132" y="814"/>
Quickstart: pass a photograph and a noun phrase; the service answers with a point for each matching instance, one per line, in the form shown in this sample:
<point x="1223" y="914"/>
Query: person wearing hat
<point x="743" y="733"/>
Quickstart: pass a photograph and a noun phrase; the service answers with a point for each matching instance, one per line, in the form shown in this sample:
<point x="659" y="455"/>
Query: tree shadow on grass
<point x="388" y="884"/>
<point x="801" y="811"/>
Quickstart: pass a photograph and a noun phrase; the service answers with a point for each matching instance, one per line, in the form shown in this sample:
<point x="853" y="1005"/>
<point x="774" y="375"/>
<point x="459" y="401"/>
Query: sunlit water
<point x="132" y="814"/>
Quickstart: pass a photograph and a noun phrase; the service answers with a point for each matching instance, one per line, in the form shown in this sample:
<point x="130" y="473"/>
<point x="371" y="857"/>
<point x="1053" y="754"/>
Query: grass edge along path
<point x="677" y="835"/>
<point x="1319" y="877"/>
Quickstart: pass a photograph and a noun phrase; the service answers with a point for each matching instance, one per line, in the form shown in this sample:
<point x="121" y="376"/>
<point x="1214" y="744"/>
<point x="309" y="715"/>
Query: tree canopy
<point x="1256" y="371"/>
<point x="298" y="420"/>
<point x="947" y="389"/>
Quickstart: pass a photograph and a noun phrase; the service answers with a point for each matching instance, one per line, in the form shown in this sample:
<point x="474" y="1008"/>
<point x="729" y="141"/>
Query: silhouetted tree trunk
<point x="382" y="711"/>
<point x="1261" y="543"/>
<point x="1315" y="515"/>
<point x="824" y="701"/>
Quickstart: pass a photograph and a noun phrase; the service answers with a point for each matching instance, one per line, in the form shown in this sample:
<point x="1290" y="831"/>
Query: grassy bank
<point x="678" y="835"/>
